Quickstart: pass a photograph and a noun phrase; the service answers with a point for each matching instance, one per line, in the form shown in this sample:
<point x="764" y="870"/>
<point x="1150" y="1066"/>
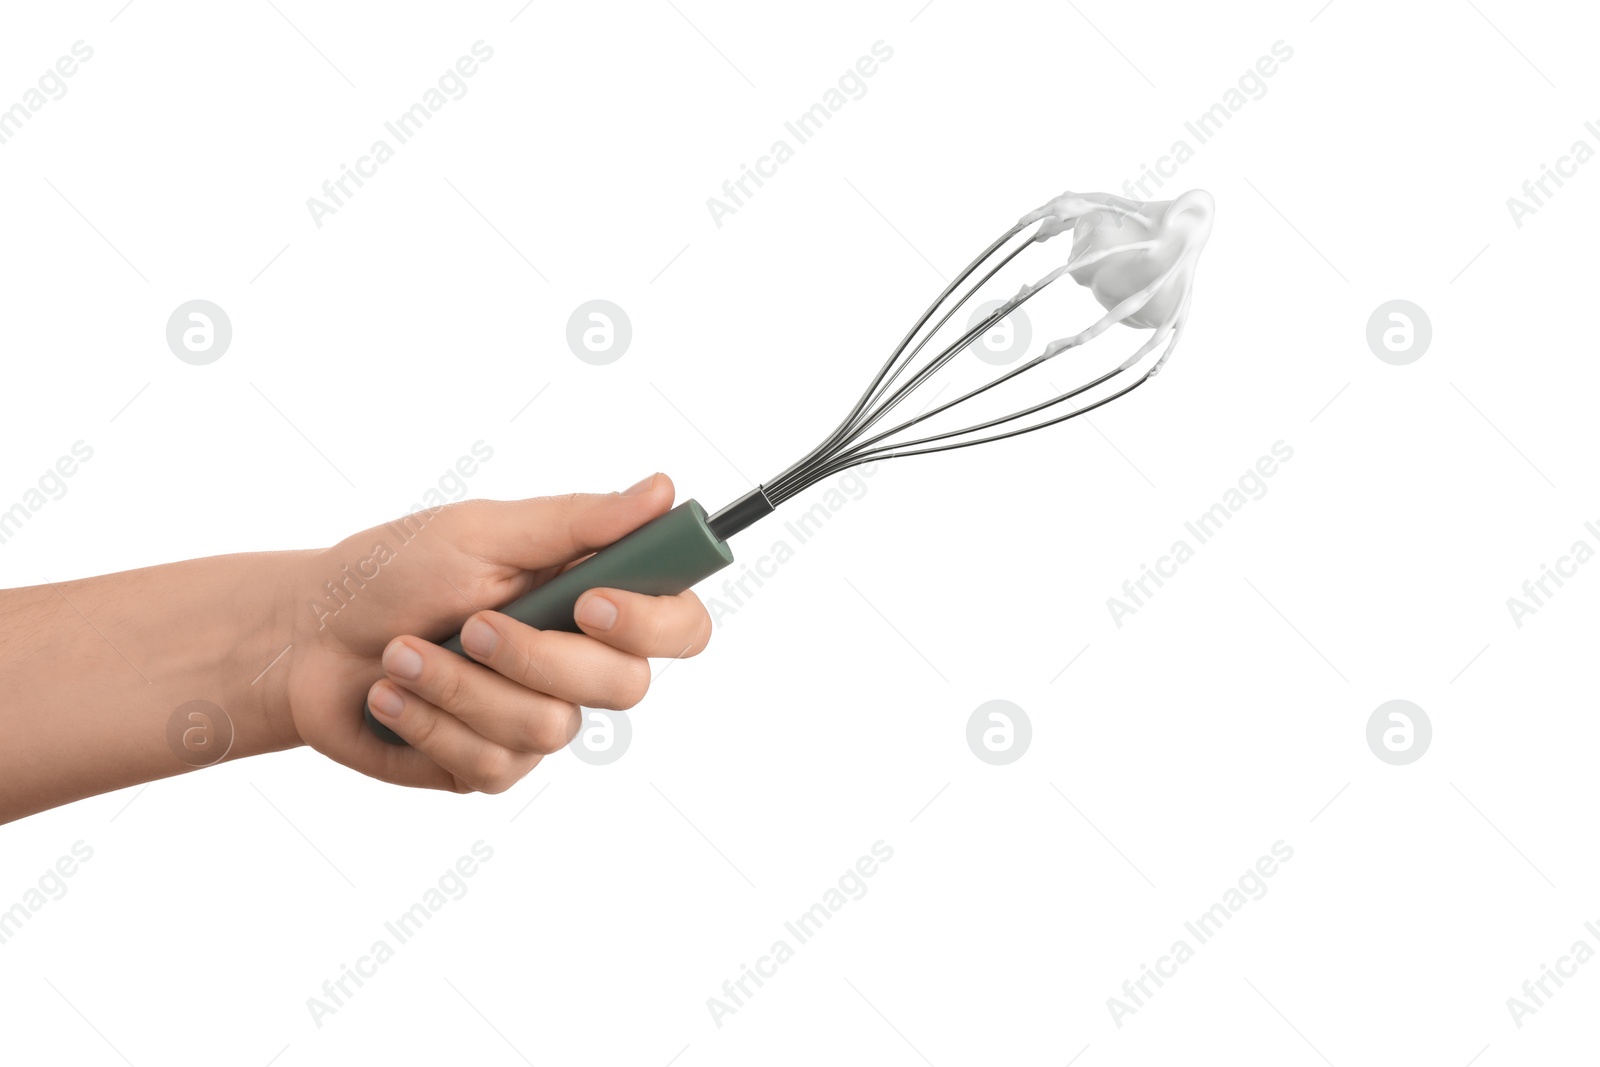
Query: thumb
<point x="549" y="531"/>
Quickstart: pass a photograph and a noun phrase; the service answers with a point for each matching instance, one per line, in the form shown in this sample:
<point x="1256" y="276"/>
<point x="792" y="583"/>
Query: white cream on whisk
<point x="1121" y="247"/>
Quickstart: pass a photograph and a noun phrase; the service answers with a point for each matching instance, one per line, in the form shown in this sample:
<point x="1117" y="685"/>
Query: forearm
<point x="94" y="671"/>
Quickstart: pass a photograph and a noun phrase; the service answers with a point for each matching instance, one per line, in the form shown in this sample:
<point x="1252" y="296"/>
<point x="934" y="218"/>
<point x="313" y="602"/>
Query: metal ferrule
<point x="740" y="514"/>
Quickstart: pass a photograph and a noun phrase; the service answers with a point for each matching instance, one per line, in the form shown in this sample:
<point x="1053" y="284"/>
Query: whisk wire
<point x="797" y="476"/>
<point x="905" y="372"/>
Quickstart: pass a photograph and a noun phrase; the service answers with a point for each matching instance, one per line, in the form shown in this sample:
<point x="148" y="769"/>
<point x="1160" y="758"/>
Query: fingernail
<point x="402" y="661"/>
<point x="385" y="701"/>
<point x="640" y="487"/>
<point x="597" y="613"/>
<point x="478" y="637"/>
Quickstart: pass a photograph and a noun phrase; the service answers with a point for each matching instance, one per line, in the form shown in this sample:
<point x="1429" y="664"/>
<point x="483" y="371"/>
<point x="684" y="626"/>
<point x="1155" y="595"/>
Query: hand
<point x="377" y="602"/>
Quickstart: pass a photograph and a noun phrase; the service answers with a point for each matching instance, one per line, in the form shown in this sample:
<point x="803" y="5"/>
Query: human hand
<point x="479" y="724"/>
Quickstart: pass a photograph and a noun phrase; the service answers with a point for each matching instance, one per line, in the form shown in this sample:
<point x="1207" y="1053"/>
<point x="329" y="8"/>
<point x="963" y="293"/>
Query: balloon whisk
<point x="1137" y="259"/>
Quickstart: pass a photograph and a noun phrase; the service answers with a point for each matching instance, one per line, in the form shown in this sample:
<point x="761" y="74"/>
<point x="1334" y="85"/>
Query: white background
<point x="830" y="712"/>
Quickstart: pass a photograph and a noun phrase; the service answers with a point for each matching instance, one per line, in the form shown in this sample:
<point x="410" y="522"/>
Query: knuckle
<point x="422" y="723"/>
<point x="657" y="630"/>
<point x="517" y="658"/>
<point x="702" y="635"/>
<point x="572" y="718"/>
<point x="494" y="771"/>
<point x="631" y="683"/>
<point x="571" y="508"/>
<point x="449" y="686"/>
<point x="549" y="729"/>
<point x="529" y="674"/>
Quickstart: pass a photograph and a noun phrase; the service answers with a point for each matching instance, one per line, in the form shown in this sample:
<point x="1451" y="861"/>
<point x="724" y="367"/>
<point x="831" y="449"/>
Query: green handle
<point x="661" y="558"/>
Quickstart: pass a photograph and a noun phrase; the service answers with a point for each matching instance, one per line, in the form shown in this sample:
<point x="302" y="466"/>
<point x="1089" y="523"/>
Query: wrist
<point x="253" y="674"/>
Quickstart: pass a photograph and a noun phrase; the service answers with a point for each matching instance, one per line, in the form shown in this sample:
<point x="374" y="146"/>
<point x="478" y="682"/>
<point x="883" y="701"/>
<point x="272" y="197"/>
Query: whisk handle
<point x="661" y="558"/>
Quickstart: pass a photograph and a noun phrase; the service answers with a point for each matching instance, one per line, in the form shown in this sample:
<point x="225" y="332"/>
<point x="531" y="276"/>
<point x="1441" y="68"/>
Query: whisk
<point x="1138" y="259"/>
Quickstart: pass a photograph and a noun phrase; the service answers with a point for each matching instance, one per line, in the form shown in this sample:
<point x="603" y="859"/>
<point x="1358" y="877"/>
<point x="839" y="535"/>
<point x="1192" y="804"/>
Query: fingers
<point x="670" y="626"/>
<point x="475" y="762"/>
<point x="548" y="531"/>
<point x="345" y="737"/>
<point x="567" y="666"/>
<point x="486" y="724"/>
<point x="501" y="711"/>
<point x="481" y="724"/>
